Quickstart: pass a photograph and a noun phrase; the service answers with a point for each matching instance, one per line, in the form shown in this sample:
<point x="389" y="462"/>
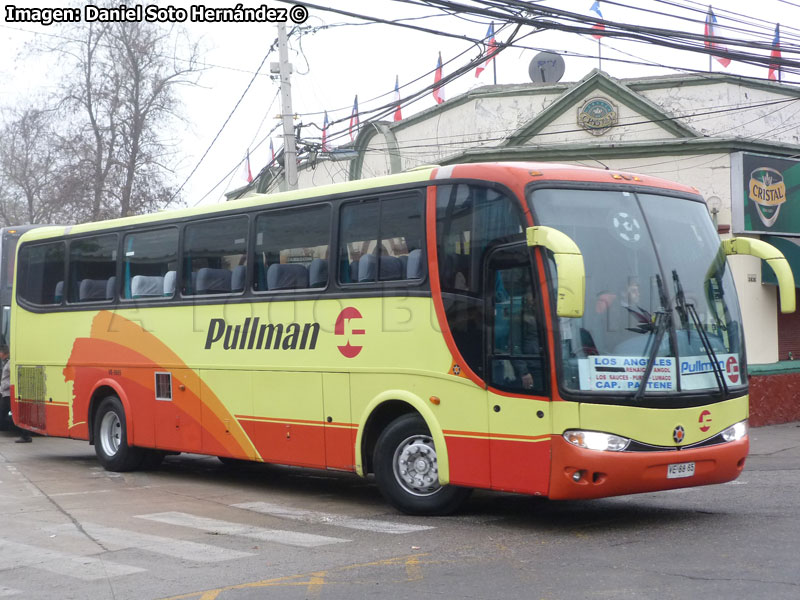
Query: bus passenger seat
<point x="213" y="281"/>
<point x="367" y="268"/>
<point x="287" y="276"/>
<point x="391" y="268"/>
<point x="58" y="293"/>
<point x="238" y="278"/>
<point x="318" y="273"/>
<point x="404" y="260"/>
<point x="416" y="264"/>
<point x="169" y="283"/>
<point x="92" y="289"/>
<point x="353" y="272"/>
<point x="110" y="285"/>
<point x="147" y="286"/>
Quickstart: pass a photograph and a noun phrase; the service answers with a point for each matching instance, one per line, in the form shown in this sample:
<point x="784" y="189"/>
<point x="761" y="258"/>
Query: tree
<point x="30" y="168"/>
<point x="117" y="100"/>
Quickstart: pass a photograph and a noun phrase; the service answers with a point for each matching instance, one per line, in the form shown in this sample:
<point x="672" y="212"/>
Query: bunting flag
<point x="597" y="26"/>
<point x="491" y="48"/>
<point x="247" y="173"/>
<point x="438" y="90"/>
<point x="775" y="68"/>
<point x="271" y="152"/>
<point x="398" y="115"/>
<point x="354" y="118"/>
<point x="325" y="133"/>
<point x="710" y="34"/>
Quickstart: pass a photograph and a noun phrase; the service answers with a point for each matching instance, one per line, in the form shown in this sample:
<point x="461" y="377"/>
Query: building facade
<point x="714" y="132"/>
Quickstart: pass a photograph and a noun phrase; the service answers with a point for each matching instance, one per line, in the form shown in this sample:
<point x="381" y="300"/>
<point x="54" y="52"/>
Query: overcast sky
<point x="357" y="57"/>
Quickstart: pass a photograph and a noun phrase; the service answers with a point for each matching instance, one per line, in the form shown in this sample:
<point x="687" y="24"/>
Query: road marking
<point x="316" y="579"/>
<point x="14" y="556"/>
<point x="118" y="539"/>
<point x="290" y="538"/>
<point x="86" y="493"/>
<point x="310" y="516"/>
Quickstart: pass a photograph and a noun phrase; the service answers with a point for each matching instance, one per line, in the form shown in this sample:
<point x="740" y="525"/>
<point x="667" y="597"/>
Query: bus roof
<point x="503" y="172"/>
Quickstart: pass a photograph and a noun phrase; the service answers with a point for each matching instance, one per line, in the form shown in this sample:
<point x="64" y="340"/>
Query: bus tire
<point x="111" y="438"/>
<point x="406" y="470"/>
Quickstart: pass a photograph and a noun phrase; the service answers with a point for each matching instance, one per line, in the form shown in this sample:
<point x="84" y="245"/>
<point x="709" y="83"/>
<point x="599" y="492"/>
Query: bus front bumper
<point x="578" y="473"/>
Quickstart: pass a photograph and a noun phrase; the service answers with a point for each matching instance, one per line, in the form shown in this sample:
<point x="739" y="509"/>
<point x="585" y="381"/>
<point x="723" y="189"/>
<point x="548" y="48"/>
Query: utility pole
<point x="287" y="115"/>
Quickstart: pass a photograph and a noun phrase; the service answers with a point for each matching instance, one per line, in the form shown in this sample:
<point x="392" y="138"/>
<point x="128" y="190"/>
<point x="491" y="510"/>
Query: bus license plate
<point x="678" y="470"/>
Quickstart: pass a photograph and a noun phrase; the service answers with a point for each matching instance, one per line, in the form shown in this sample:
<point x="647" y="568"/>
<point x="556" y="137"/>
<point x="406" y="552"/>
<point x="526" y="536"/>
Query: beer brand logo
<point x="768" y="190"/>
<point x="597" y="115"/>
<point x="348" y="314"/>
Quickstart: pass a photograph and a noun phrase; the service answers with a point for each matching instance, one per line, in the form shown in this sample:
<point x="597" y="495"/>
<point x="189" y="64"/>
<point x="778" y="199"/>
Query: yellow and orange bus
<point x="534" y="328"/>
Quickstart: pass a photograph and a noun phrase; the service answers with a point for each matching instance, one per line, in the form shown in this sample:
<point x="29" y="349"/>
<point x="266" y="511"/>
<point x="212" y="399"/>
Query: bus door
<point x="516" y="373"/>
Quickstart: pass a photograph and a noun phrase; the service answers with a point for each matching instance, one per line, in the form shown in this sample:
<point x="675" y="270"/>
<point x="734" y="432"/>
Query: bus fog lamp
<point x="595" y="440"/>
<point x="735" y="432"/>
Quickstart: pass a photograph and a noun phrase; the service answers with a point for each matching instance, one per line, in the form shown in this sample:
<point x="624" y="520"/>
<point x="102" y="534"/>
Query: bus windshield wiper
<point x="688" y="309"/>
<point x="663" y="319"/>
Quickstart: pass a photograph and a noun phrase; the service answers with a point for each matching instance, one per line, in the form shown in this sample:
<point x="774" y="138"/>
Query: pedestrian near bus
<point x="5" y="392"/>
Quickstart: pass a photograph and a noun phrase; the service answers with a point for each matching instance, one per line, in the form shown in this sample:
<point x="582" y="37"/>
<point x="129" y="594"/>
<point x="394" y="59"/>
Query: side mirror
<point x="569" y="265"/>
<point x="774" y="258"/>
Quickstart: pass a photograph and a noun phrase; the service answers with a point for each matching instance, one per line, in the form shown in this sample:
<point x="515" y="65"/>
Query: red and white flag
<point x="597" y="26"/>
<point x="247" y="173"/>
<point x="398" y="115"/>
<point x="325" y="133"/>
<point x="710" y="34"/>
<point x="491" y="48"/>
<point x="438" y="89"/>
<point x="775" y="68"/>
<point x="354" y="118"/>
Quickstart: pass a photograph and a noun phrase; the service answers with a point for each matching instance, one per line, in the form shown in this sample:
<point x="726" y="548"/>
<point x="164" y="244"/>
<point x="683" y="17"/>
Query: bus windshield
<point x="660" y="302"/>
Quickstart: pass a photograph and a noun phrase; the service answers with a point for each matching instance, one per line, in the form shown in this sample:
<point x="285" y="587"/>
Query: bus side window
<point x="212" y="252"/>
<point x="470" y="218"/>
<point x="92" y="262"/>
<point x="291" y="251"/>
<point x="515" y="345"/>
<point x="150" y="260"/>
<point x="382" y="240"/>
<point x="41" y="273"/>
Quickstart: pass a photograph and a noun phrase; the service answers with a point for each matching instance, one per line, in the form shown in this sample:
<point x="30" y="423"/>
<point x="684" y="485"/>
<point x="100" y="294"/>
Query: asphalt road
<point x="196" y="529"/>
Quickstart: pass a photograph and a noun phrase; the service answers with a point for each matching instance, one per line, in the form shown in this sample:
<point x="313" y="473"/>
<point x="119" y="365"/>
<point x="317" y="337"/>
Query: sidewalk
<point x="774" y="440"/>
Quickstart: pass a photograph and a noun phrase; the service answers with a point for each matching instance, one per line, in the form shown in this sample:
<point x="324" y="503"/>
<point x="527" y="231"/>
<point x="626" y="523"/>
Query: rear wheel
<point x="407" y="470"/>
<point x="111" y="438"/>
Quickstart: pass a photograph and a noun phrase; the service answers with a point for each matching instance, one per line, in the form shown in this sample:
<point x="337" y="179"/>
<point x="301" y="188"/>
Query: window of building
<point x="150" y="262"/>
<point x="92" y="265"/>
<point x="215" y="256"/>
<point x="382" y="240"/>
<point x="41" y="273"/>
<point x="291" y="250"/>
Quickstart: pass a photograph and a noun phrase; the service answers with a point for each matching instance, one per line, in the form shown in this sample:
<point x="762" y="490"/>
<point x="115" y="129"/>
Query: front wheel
<point x="111" y="438"/>
<point x="407" y="470"/>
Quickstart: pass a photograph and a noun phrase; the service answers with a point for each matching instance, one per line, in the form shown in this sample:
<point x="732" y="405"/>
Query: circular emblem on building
<point x="678" y="434"/>
<point x="597" y="115"/>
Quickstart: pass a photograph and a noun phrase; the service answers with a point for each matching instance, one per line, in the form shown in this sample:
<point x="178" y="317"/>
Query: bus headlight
<point x="595" y="440"/>
<point x="735" y="432"/>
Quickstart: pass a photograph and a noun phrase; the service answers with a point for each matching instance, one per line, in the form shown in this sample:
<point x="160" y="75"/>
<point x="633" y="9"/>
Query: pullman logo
<point x="251" y="336"/>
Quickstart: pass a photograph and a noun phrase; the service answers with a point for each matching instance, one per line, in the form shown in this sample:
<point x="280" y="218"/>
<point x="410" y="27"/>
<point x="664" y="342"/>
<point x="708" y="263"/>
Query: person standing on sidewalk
<point x="5" y="392"/>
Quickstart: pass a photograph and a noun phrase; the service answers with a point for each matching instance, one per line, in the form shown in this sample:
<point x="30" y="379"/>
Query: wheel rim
<point x="110" y="433"/>
<point x="415" y="466"/>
